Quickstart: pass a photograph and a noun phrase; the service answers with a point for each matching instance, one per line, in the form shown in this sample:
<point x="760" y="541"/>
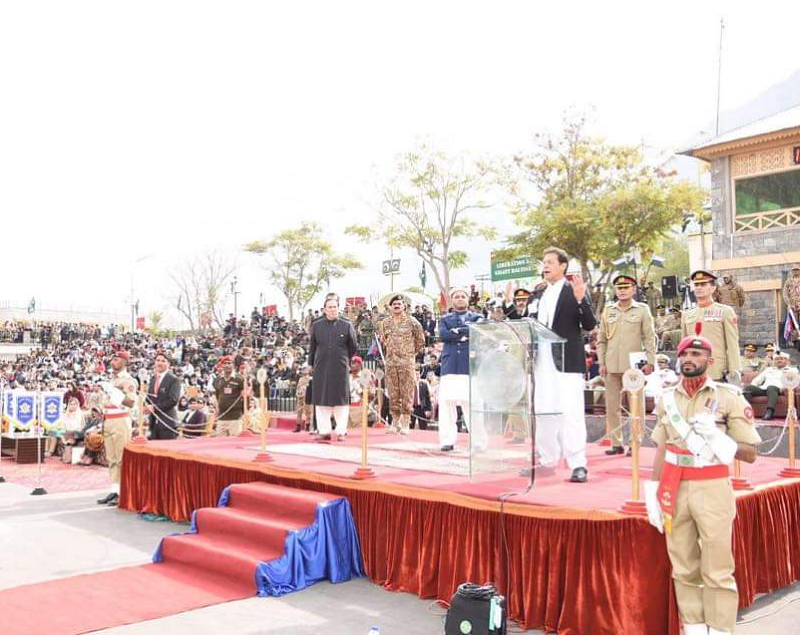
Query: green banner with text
<point x="522" y="267"/>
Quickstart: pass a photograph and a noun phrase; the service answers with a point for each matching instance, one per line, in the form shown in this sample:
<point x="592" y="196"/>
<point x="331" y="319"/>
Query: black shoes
<point x="447" y="448"/>
<point x="111" y="499"/>
<point x="579" y="475"/>
<point x="297" y="429"/>
<point x="324" y="437"/>
<point x="768" y="415"/>
<point x="617" y="449"/>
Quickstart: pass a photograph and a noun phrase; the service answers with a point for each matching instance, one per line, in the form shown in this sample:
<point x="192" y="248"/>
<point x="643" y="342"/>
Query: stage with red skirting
<point x="575" y="565"/>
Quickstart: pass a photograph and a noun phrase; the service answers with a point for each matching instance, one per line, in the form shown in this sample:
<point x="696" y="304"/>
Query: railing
<point x="282" y="403"/>
<point x="767" y="220"/>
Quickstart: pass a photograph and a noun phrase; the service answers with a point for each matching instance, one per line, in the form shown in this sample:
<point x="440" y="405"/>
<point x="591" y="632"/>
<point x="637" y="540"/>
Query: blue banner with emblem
<point x="25" y="410"/>
<point x="52" y="408"/>
<point x="8" y="405"/>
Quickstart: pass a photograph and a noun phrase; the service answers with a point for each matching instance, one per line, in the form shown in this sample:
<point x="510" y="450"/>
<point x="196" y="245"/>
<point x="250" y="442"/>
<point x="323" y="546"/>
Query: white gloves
<point x="654" y="514"/>
<point x="718" y="442"/>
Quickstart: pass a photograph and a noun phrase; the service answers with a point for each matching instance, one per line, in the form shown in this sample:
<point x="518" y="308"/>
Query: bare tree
<point x="201" y="287"/>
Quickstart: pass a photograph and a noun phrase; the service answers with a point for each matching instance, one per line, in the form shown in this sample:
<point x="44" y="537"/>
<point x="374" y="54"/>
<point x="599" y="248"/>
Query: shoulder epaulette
<point x="731" y="387"/>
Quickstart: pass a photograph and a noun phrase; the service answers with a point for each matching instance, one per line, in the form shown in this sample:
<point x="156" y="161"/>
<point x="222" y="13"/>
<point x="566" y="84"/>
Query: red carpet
<point x="56" y="475"/>
<point x="215" y="565"/>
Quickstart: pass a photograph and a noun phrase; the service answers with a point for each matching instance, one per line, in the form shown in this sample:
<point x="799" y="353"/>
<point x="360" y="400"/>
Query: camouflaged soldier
<point x="702" y="427"/>
<point x="402" y="338"/>
<point x="718" y="323"/>
<point x="626" y="327"/>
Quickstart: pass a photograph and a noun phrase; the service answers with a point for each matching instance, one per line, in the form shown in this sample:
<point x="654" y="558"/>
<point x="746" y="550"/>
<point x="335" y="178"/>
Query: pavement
<point x="66" y="534"/>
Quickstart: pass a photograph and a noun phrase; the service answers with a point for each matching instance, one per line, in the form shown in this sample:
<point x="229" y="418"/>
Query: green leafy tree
<point x="300" y="263"/>
<point x="428" y="205"/>
<point x="596" y="201"/>
<point x="156" y="319"/>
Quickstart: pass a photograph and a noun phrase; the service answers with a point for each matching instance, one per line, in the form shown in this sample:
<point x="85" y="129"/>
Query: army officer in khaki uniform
<point x="626" y="327"/>
<point x="719" y="325"/>
<point x="702" y="426"/>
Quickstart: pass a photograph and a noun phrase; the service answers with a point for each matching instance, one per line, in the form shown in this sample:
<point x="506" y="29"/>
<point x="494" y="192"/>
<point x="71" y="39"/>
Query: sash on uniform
<point x="671" y="477"/>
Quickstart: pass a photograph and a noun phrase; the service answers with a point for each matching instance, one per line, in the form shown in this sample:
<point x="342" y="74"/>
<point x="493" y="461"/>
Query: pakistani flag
<point x="32" y="305"/>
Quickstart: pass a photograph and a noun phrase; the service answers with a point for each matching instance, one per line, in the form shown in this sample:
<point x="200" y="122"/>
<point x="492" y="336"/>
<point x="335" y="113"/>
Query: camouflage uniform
<point x="791" y="297"/>
<point x="402" y="340"/>
<point x="731" y="294"/>
<point x="303" y="410"/>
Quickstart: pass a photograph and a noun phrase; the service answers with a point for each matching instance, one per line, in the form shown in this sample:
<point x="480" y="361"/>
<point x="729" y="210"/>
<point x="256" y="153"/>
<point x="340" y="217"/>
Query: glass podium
<point x="504" y="359"/>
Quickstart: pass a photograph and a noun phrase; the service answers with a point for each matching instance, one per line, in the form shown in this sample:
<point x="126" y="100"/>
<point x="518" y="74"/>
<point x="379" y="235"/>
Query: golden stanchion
<point x="633" y="382"/>
<point x="379" y="375"/>
<point x="790" y="381"/>
<point x="364" y="471"/>
<point x="606" y="440"/>
<point x="738" y="481"/>
<point x="263" y="456"/>
<point x="246" y="385"/>
<point x="143" y="381"/>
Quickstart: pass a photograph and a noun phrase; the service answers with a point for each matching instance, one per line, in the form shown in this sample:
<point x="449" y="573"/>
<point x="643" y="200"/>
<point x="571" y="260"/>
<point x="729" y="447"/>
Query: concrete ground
<point x="68" y="534"/>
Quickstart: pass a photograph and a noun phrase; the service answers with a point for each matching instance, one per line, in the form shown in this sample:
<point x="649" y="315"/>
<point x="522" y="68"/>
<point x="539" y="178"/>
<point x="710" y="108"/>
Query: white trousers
<point x="340" y="413"/>
<point x="454" y="391"/>
<point x="560" y="416"/>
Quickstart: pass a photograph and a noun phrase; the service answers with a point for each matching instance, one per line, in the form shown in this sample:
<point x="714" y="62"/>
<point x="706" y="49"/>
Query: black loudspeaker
<point x="669" y="287"/>
<point x="478" y="613"/>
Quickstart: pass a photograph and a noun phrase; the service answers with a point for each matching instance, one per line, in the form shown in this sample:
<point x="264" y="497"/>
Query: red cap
<point x="694" y="341"/>
<point x="225" y="358"/>
<point x="356" y="358"/>
<point x="122" y="355"/>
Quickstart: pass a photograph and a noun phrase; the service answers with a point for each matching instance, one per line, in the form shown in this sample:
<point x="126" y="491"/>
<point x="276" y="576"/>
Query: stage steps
<point x="261" y="539"/>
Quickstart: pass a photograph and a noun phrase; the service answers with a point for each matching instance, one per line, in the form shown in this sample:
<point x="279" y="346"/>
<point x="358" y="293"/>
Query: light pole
<point x="235" y="293"/>
<point x="135" y="303"/>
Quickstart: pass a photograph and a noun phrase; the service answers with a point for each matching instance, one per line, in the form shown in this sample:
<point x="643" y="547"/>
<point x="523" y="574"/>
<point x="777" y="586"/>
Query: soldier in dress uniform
<point x="719" y="325"/>
<point x="702" y="426"/>
<point x="517" y="309"/>
<point x="229" y="389"/>
<point x="750" y="362"/>
<point x="626" y="327"/>
<point x="117" y="423"/>
<point x="769" y="352"/>
<point x="402" y="339"/>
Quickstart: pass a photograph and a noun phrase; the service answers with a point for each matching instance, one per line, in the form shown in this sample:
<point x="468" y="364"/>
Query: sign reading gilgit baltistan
<point x="522" y="267"/>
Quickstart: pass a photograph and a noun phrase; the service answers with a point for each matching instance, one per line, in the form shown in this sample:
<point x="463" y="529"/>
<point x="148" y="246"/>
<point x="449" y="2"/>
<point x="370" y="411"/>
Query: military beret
<point x="521" y="294"/>
<point x="702" y="276"/>
<point x="225" y="359"/>
<point x="623" y="281"/>
<point x="750" y="347"/>
<point x="694" y="341"/>
<point x="397" y="296"/>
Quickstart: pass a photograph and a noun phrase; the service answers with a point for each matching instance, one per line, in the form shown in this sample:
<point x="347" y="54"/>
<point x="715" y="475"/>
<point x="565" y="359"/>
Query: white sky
<point x="137" y="128"/>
